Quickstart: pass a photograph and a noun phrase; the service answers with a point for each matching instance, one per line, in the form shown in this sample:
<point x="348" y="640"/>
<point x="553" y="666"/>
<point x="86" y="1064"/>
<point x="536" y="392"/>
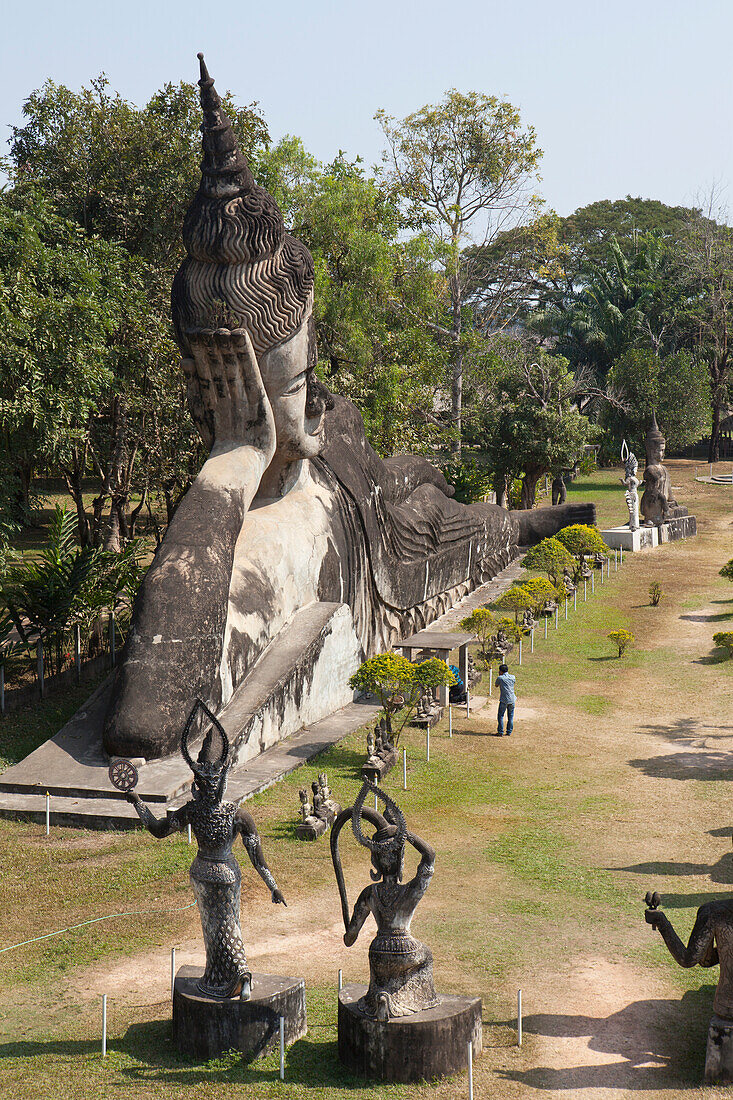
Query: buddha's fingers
<point x="201" y="342"/>
<point x="195" y="401"/>
<point x="250" y="375"/>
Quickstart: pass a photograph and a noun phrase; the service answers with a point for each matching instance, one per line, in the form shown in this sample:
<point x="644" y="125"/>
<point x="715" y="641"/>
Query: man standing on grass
<point x="507" y="699"/>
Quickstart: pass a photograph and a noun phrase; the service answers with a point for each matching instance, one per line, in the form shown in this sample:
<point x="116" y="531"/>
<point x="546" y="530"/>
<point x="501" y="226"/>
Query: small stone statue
<point x="428" y="712"/>
<point x="500" y="645"/>
<point x="529" y="623"/>
<point x="657" y="503"/>
<point x="631" y="481"/>
<point x="382" y="757"/>
<point x="312" y="826"/>
<point x="400" y="967"/>
<point x="215" y="874"/>
<point x="333" y="807"/>
<point x="568" y="583"/>
<point x="560" y="482"/>
<point x="474" y="675"/>
<point x="370" y="743"/>
<point x="710" y="944"/>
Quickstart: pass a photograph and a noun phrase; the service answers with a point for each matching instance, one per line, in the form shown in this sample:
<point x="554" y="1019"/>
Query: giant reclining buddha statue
<point x="297" y="551"/>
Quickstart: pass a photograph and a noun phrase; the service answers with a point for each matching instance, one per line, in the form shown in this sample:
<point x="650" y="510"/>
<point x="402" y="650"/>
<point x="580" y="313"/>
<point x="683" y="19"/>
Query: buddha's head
<point x="655" y="444"/>
<point x="242" y="270"/>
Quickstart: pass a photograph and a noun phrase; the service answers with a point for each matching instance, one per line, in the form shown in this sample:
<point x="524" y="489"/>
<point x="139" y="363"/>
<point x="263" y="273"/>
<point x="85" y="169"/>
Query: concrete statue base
<point x="375" y="769"/>
<point x="719" y="1052"/>
<point x="422" y="1046"/>
<point x="204" y="1027"/>
<point x="644" y="538"/>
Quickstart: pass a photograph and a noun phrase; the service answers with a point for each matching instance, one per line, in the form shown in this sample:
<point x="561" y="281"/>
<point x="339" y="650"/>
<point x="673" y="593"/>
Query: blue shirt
<point x="506" y="688"/>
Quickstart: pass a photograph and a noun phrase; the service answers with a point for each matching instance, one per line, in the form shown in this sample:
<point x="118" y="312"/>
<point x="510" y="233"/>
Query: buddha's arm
<point x="358" y="917"/>
<point x="700" y="948"/>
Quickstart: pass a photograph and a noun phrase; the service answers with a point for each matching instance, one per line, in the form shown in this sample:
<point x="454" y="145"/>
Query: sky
<point x="626" y="98"/>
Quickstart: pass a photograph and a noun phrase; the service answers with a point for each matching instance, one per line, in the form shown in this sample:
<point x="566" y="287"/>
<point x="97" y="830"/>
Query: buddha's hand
<point x="278" y="899"/>
<point x="226" y="394"/>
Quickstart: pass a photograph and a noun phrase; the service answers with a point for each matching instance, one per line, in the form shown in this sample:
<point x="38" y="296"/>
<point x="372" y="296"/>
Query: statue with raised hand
<point x="400" y="967"/>
<point x="215" y="874"/>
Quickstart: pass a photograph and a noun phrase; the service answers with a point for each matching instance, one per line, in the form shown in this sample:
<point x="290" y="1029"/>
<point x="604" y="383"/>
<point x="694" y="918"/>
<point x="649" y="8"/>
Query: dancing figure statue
<point x="631" y="481"/>
<point x="400" y="967"/>
<point x="215" y="874"/>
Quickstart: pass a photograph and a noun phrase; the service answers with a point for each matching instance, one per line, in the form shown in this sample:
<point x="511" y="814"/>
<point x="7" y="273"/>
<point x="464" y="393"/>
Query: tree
<point x="464" y="167"/>
<point x="482" y="623"/>
<point x="524" y="407"/>
<point x="549" y="556"/>
<point x="727" y="570"/>
<point x="541" y="591"/>
<point x="580" y="540"/>
<point x="515" y="599"/>
<point x="398" y="683"/>
<point x="674" y="387"/>
<point x="622" y="639"/>
<point x="724" y="640"/>
<point x="586" y="232"/>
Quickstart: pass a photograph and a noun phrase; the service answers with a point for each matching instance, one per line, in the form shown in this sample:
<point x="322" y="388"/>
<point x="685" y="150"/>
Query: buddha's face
<point x="656" y="450"/>
<point x="299" y="401"/>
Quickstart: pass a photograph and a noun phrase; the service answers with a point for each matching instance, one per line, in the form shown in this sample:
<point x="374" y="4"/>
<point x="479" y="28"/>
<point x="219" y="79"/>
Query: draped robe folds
<point x="386" y="538"/>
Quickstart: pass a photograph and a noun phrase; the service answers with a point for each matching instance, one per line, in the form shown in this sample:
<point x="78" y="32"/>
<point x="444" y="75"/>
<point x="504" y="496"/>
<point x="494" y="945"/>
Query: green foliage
<point x="676" y="387"/>
<point x="398" y="683"/>
<point x="622" y="639"/>
<point x="727" y="570"/>
<point x="724" y="640"/>
<point x="515" y="599"/>
<point x="581" y="539"/>
<point x="540" y="591"/>
<point x="482" y="623"/>
<point x="524" y="413"/>
<point x="655" y="593"/>
<point x="550" y="556"/>
<point x="471" y="480"/>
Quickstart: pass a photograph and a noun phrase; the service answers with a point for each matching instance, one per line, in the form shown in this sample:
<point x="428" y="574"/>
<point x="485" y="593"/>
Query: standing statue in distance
<point x="710" y="944"/>
<point x="631" y="481"/>
<point x="215" y="874"/>
<point x="657" y="503"/>
<point x="400" y="967"/>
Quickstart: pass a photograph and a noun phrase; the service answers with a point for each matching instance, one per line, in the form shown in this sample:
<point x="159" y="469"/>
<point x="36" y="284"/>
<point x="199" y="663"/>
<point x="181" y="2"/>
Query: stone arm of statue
<point x="426" y="852"/>
<point x="244" y="824"/>
<point x="362" y="909"/>
<point x="700" y="949"/>
<point x="534" y="524"/>
<point x="173" y="821"/>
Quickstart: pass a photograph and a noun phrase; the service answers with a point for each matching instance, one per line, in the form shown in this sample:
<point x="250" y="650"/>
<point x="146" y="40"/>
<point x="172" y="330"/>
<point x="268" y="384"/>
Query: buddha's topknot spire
<point x="224" y="169"/>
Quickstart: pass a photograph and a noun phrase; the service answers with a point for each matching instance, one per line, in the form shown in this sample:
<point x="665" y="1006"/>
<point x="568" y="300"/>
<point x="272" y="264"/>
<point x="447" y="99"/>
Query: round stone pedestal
<point x="203" y="1027"/>
<point x="419" y="1047"/>
<point x="719" y="1052"/>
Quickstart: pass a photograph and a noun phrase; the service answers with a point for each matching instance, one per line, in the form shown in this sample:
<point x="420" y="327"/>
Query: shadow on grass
<point x="690" y="730"/>
<point x="708" y="765"/>
<point x="670" y="1033"/>
<point x="311" y="1061"/>
<point x="610" y="657"/>
<point x="721" y="872"/>
<point x="718" y="656"/>
<point x="724" y="616"/>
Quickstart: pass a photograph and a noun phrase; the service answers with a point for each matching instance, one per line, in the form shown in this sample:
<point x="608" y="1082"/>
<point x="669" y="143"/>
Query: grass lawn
<point x="612" y="784"/>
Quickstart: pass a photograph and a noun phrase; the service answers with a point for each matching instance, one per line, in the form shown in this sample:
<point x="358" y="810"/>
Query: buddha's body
<point x="292" y="507"/>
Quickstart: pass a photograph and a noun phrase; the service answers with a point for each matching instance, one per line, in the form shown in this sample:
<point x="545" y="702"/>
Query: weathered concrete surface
<point x="719" y="1052"/>
<point x="419" y="1047"/>
<point x="203" y="1027"/>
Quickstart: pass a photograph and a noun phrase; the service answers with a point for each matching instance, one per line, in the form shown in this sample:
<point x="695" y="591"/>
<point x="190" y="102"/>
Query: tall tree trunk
<point x="529" y="488"/>
<point x="714" y="446"/>
<point x="457" y="364"/>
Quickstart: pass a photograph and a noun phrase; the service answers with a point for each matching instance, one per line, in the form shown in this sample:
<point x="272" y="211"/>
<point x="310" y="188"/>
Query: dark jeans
<point x="507" y="708"/>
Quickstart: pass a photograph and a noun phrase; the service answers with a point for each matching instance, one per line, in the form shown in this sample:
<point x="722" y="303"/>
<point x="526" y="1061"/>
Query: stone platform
<point x="419" y="1047"/>
<point x="644" y="538"/>
<point x="204" y="1028"/>
<point x="719" y="1052"/>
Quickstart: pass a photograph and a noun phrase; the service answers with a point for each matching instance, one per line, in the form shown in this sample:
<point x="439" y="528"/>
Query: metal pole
<point x="282" y="1048"/>
<point x="450" y="720"/>
<point x="77" y="651"/>
<point x="575" y="600"/>
<point x="531" y="640"/>
<point x="520" y="651"/>
<point x="427" y="749"/>
<point x="557" y="617"/>
<point x="615" y="561"/>
<point x="468" y="712"/>
<point x="48" y="813"/>
<point x="546" y="618"/>
<point x="470" y="1070"/>
<point x="39" y="665"/>
<point x="519" y="1018"/>
<point x="341" y="980"/>
<point x="566" y="609"/>
<point x="602" y="572"/>
<point x="585" y="589"/>
<point x="592" y="583"/>
<point x="622" y="555"/>
<point x="173" y="970"/>
<point x="104" y="1025"/>
<point x="189" y="834"/>
<point x="404" y="769"/>
<point x="491" y="680"/>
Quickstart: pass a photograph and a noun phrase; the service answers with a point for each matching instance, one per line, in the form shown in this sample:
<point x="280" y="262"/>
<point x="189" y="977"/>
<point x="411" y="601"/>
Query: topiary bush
<point x="655" y="593"/>
<point x="622" y="639"/>
<point x="724" y="640"/>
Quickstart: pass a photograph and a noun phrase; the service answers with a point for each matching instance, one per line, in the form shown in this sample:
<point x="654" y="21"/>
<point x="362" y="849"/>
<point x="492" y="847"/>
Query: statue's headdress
<point x="654" y="435"/>
<point x="242" y="269"/>
<point x="213" y="760"/>
<point x="631" y="463"/>
<point x="387" y="842"/>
